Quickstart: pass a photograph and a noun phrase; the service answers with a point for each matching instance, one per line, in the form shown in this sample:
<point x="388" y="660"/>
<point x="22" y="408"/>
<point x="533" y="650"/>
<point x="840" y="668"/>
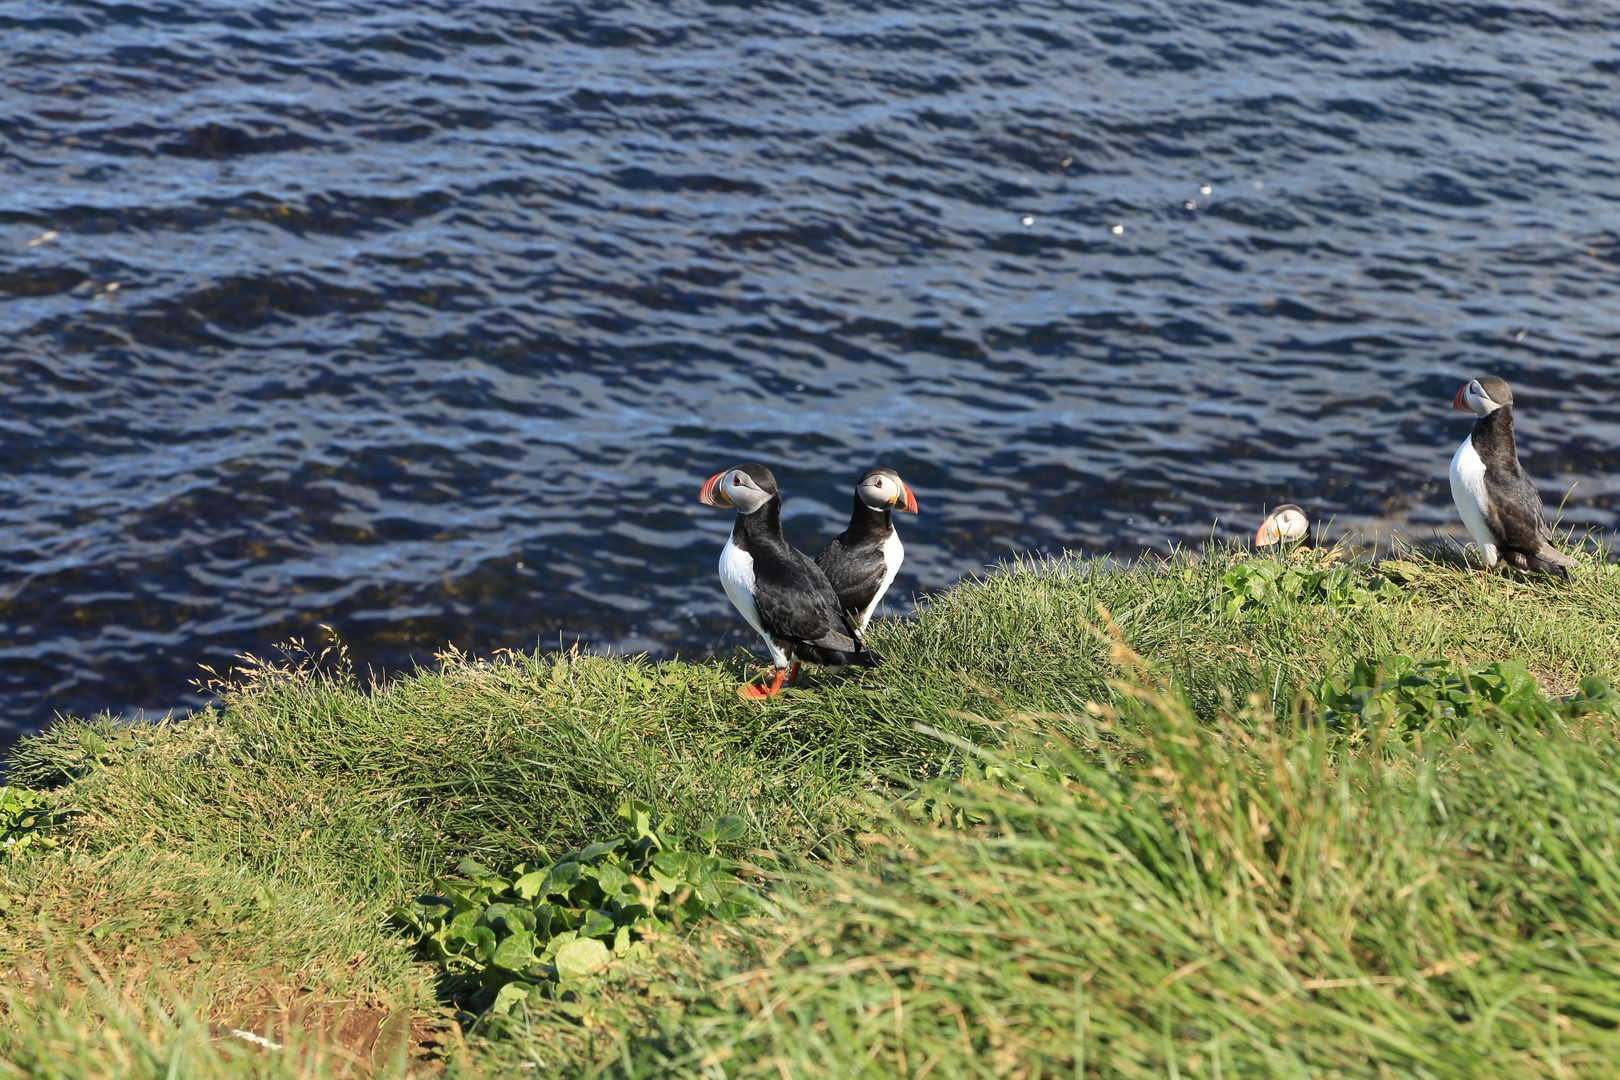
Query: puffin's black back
<point x="853" y="560"/>
<point x="796" y="603"/>
<point x="1515" y="514"/>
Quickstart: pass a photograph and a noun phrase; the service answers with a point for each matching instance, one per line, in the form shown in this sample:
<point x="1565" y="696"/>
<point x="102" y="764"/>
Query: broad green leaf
<point x="560" y="878"/>
<point x="611" y="880"/>
<point x="482" y="940"/>
<point x="542" y="927"/>
<point x="528" y="886"/>
<point x="464" y="894"/>
<point x="704" y="886"/>
<point x="581" y="957"/>
<point x="637" y="816"/>
<point x="593" y="850"/>
<point x="678" y="864"/>
<point x="558" y="941"/>
<point x="462" y="925"/>
<point x="667" y="883"/>
<point x="596" y="924"/>
<point x="431" y="902"/>
<point x="515" y="953"/>
<point x="508" y="996"/>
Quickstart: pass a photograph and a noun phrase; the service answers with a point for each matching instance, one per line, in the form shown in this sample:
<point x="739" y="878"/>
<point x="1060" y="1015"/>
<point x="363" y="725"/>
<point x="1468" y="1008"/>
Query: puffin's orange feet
<point x="793" y="674"/>
<point x="753" y="692"/>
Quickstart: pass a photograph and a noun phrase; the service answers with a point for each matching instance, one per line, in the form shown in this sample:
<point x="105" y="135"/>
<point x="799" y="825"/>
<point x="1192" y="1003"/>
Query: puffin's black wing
<point x="1516" y="505"/>
<point x="793" y="597"/>
<point x="854" y="573"/>
<point x="1521" y="524"/>
<point x="801" y="606"/>
<point x="1513" y="510"/>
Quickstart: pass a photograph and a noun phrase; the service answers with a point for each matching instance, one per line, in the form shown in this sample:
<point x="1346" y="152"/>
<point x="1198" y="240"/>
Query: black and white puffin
<point x="861" y="561"/>
<point x="777" y="588"/>
<point x="1285" y="525"/>
<point x="1495" y="496"/>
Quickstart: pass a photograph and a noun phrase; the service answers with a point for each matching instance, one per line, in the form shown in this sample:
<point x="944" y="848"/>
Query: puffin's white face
<point x="1285" y="526"/>
<point x="734" y="487"/>
<point x="1473" y="398"/>
<point x="881" y="490"/>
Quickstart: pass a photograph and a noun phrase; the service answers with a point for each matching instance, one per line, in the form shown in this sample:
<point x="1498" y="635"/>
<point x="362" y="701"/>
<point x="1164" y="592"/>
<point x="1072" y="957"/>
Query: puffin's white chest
<point x="737" y="578"/>
<point x="1468" y="492"/>
<point x="894" y="553"/>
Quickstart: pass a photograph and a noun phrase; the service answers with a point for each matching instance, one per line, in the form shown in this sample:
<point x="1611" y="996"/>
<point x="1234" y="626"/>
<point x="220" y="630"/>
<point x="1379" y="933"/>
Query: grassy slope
<point x="239" y="864"/>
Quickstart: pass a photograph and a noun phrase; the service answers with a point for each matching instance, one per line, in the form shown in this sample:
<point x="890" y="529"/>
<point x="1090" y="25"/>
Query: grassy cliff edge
<point x="1191" y="875"/>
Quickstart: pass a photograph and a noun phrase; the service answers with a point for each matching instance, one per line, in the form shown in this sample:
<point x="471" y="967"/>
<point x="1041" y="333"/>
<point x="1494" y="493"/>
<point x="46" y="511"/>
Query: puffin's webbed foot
<point x="754" y="692"/>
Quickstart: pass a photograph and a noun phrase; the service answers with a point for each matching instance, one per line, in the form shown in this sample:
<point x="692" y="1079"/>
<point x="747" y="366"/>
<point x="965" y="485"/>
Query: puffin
<point x="861" y="561"/>
<point x="778" y="589"/>
<point x="1496" y="498"/>
<point x="1285" y="525"/>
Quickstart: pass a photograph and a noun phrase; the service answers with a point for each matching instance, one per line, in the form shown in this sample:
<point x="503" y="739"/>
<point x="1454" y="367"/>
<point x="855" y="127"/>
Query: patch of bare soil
<point x="365" y="1036"/>
<point x="360" y="1037"/>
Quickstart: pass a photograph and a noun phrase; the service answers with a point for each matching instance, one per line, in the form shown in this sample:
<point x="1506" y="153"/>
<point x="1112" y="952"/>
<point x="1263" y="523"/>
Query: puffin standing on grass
<point x="776" y="587"/>
<point x="1495" y="496"/>
<point x="861" y="561"/>
<point x="1286" y="525"/>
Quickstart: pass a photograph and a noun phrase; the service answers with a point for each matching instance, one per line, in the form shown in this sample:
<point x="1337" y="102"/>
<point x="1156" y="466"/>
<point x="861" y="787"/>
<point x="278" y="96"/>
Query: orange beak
<point x="908" y="501"/>
<point x="1260" y="534"/>
<point x="712" y="494"/>
<point x="1457" y="402"/>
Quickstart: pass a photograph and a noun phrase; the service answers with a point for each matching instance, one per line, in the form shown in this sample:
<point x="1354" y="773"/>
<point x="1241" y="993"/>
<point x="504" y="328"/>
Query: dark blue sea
<point x="425" y="321"/>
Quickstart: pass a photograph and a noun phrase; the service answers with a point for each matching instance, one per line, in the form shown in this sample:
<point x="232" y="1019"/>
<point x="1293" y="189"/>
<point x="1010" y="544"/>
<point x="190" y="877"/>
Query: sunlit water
<point x="431" y="318"/>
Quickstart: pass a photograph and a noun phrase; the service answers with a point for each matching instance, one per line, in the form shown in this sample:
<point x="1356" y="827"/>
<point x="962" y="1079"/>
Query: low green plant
<point x="1405" y="694"/>
<point x="555" y="927"/>
<point x="1266" y="582"/>
<point x="26" y="819"/>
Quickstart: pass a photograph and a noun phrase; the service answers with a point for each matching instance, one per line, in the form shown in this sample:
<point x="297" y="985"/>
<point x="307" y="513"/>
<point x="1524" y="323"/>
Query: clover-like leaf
<point x="581" y="957"/>
<point x="596" y="924"/>
<point x="611" y="880"/>
<point x="557" y="941"/>
<point x="528" y="886"/>
<point x="560" y="879"/>
<point x="515" y="953"/>
<point x="462" y="925"/>
<point x="482" y="941"/>
<point x="509" y="996"/>
<point x="592" y="851"/>
<point x="730" y="828"/>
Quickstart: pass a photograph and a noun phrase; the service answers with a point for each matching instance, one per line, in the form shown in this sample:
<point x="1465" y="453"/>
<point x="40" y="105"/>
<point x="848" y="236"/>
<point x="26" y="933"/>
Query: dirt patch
<point x="364" y="1035"/>
<point x="270" y="1012"/>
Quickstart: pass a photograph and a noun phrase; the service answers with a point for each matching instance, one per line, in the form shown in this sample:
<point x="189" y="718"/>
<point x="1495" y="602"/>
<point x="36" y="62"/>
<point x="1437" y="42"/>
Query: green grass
<point x="1215" y="892"/>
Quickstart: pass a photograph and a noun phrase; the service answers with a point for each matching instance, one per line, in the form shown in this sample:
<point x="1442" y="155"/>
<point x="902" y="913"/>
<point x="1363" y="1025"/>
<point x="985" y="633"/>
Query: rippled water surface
<point x="427" y="320"/>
